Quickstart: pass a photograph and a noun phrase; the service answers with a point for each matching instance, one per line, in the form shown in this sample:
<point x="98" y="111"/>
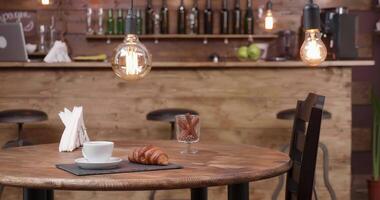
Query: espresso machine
<point x="339" y="33"/>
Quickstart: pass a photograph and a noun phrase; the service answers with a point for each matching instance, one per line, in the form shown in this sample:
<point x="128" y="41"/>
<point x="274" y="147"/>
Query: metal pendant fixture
<point x="313" y="52"/>
<point x="131" y="60"/>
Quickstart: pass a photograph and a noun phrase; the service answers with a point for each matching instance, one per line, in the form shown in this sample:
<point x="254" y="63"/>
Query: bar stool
<point x="289" y="114"/>
<point x="20" y="117"/>
<point x="168" y="115"/>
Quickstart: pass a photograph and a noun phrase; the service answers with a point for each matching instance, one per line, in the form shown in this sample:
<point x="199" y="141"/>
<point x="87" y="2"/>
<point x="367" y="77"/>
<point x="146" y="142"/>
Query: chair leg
<point x="199" y="193"/>
<point x="326" y="180"/>
<point x="38" y="194"/>
<point x="238" y="191"/>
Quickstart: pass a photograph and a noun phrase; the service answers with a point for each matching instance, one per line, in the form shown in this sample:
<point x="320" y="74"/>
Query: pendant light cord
<point x="132" y="4"/>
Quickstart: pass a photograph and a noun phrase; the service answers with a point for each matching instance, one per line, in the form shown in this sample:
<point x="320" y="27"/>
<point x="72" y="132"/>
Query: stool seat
<point x="168" y="115"/>
<point x="289" y="114"/>
<point x="22" y="116"/>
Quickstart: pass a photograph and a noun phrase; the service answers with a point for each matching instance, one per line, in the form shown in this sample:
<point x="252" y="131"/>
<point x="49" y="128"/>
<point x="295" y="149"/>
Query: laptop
<point x="12" y="43"/>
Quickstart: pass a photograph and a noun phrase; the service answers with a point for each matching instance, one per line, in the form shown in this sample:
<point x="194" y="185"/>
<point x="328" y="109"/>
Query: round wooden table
<point x="33" y="168"/>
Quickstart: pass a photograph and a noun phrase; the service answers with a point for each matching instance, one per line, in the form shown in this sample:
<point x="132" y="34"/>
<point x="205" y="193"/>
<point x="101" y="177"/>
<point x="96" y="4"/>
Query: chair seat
<point x="22" y="116"/>
<point x="168" y="115"/>
<point x="289" y="114"/>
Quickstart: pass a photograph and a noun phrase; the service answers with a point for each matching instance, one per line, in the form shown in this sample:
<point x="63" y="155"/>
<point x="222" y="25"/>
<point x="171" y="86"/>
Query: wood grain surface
<point x="215" y="164"/>
<point x="244" y="64"/>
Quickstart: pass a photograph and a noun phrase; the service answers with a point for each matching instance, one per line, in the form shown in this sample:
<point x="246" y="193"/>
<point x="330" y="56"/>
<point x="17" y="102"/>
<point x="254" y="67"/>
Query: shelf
<point x="193" y="65"/>
<point x="184" y="36"/>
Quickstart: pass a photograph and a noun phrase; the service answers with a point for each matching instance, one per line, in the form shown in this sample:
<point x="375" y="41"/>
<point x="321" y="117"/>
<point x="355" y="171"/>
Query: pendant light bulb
<point x="131" y="60"/>
<point x="269" y="20"/>
<point x="313" y="51"/>
<point x="45" y="2"/>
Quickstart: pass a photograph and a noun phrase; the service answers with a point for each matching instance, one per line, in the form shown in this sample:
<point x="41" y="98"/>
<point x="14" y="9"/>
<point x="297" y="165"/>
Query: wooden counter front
<point x="237" y="105"/>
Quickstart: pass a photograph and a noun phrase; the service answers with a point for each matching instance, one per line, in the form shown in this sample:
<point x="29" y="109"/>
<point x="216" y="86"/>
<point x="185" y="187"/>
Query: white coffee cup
<point x="97" y="151"/>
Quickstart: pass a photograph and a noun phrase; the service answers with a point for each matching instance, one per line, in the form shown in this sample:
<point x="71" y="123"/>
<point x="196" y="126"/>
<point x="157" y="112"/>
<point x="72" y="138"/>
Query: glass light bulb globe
<point x="269" y="20"/>
<point x="131" y="60"/>
<point x="313" y="51"/>
<point x="45" y="2"/>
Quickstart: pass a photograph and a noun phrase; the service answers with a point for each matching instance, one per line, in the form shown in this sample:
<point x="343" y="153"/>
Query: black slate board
<point x="124" y="167"/>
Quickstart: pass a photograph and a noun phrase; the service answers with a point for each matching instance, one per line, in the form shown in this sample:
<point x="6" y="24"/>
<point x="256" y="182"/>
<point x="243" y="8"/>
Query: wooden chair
<point x="304" y="148"/>
<point x="303" y="153"/>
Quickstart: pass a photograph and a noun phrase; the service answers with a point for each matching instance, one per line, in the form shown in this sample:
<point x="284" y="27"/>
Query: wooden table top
<point x="215" y="164"/>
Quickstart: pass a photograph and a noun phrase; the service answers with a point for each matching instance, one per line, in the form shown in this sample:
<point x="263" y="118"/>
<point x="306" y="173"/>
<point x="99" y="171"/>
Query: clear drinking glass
<point x="188" y="131"/>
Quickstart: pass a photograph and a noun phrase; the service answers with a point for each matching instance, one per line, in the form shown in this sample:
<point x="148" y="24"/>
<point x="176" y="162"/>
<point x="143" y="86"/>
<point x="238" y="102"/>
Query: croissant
<point x="149" y="155"/>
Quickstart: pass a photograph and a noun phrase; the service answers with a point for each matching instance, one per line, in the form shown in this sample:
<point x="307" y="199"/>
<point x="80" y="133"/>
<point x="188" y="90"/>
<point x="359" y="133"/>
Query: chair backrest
<point x="304" y="148"/>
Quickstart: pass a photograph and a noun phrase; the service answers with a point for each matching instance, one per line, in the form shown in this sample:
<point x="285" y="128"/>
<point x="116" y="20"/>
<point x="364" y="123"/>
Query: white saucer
<point x="113" y="162"/>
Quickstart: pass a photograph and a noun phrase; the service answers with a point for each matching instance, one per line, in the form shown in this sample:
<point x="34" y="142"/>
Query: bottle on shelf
<point x="100" y="30"/>
<point x="120" y="22"/>
<point x="181" y="21"/>
<point x="110" y="23"/>
<point x="90" y="29"/>
<point x="164" y="17"/>
<point x="139" y="22"/>
<point x="249" y="19"/>
<point x="149" y="18"/>
<point x="208" y="18"/>
<point x="42" y="46"/>
<point x="52" y="32"/>
<point x="236" y="18"/>
<point x="224" y="17"/>
<point x="194" y="19"/>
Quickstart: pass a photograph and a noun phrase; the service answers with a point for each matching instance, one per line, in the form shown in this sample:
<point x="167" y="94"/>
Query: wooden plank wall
<point x="236" y="106"/>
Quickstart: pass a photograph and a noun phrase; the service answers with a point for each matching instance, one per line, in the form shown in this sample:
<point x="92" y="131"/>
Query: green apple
<point x="242" y="52"/>
<point x="254" y="52"/>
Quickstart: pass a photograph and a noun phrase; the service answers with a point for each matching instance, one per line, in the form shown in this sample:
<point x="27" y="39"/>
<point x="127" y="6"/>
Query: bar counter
<point x="237" y="64"/>
<point x="237" y="101"/>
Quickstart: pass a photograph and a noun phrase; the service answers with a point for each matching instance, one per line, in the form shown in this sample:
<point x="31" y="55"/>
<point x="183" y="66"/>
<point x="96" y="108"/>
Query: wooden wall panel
<point x="236" y="106"/>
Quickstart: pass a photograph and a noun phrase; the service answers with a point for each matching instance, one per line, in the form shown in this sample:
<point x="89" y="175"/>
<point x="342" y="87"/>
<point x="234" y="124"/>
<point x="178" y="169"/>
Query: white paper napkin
<point x="75" y="133"/>
<point x="58" y="53"/>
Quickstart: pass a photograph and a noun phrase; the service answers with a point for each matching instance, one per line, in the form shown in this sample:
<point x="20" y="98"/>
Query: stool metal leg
<point x="152" y="195"/>
<point x="326" y="180"/>
<point x="238" y="191"/>
<point x="199" y="193"/>
<point x="172" y="129"/>
<point x="1" y="190"/>
<point x="38" y="194"/>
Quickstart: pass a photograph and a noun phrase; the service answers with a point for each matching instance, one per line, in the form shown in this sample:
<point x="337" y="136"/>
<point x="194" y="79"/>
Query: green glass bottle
<point x="139" y="22"/>
<point x="110" y="23"/>
<point x="249" y="19"/>
<point x="120" y="22"/>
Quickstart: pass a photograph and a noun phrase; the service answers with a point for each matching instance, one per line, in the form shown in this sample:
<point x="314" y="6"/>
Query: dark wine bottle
<point x="208" y="18"/>
<point x="236" y="18"/>
<point x="149" y="21"/>
<point x="249" y="19"/>
<point x="224" y="16"/>
<point x="194" y="18"/>
<point x="164" y="16"/>
<point x="181" y="25"/>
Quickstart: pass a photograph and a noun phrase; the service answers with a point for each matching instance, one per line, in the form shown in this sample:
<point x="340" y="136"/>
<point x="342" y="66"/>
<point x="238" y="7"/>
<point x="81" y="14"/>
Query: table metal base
<point x="238" y="191"/>
<point x="199" y="193"/>
<point x="38" y="194"/>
